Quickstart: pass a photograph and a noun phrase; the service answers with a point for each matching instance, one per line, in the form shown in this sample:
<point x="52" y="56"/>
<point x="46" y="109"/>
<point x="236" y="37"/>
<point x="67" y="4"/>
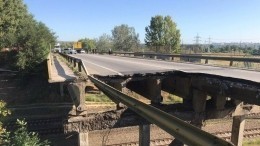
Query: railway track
<point x="248" y="134"/>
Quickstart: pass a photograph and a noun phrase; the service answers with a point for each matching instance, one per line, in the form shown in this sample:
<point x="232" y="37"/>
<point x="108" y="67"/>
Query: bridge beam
<point x="149" y="88"/>
<point x="177" y="85"/>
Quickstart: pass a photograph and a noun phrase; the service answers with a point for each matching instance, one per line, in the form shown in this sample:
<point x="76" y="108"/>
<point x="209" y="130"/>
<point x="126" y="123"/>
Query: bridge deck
<point x="60" y="72"/>
<point x="105" y="65"/>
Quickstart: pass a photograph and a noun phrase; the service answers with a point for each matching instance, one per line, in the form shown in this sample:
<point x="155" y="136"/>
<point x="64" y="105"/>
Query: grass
<point x="170" y="99"/>
<point x="97" y="98"/>
<point x="255" y="142"/>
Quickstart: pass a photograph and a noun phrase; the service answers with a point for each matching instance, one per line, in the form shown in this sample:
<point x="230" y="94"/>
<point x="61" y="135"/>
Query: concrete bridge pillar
<point x="154" y="90"/>
<point x="77" y="93"/>
<point x="219" y="102"/>
<point x="199" y="101"/>
<point x="199" y="105"/>
<point x="121" y="86"/>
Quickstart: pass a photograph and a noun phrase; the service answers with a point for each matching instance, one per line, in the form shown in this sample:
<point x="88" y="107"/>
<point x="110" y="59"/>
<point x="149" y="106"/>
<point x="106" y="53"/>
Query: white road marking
<point x="134" y="62"/>
<point x="105" y="68"/>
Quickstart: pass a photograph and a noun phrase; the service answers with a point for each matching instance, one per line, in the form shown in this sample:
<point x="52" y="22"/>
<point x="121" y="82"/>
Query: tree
<point x="88" y="44"/>
<point x="13" y="12"/>
<point x="66" y="44"/>
<point x="34" y="41"/>
<point x="20" y="31"/>
<point x="124" y="38"/>
<point x="104" y="43"/>
<point x="162" y="32"/>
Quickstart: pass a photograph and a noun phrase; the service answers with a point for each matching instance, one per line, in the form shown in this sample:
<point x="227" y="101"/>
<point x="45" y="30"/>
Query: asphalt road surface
<point x="105" y="65"/>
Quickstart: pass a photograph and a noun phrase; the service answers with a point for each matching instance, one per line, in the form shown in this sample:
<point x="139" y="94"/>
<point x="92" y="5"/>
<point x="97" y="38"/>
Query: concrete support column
<point x="237" y="130"/>
<point x="199" y="105"/>
<point x="77" y="93"/>
<point x="144" y="135"/>
<point x="83" y="139"/>
<point x="219" y="101"/>
<point x="187" y="103"/>
<point x="121" y="87"/>
<point x="154" y="90"/>
<point x="199" y="100"/>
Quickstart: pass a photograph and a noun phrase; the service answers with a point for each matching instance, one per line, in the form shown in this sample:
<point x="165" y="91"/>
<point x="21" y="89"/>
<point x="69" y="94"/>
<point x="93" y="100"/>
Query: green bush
<point x="21" y="137"/>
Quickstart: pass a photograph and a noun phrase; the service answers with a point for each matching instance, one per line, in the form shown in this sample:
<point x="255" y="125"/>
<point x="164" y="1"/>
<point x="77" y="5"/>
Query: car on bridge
<point x="69" y="51"/>
<point x="82" y="51"/>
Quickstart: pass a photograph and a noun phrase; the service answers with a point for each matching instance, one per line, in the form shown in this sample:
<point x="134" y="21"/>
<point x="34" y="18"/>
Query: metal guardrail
<point x="181" y="130"/>
<point x="194" y="56"/>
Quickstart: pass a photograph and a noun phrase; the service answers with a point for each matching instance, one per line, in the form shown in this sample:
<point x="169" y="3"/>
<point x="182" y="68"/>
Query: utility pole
<point x="197" y="42"/>
<point x="209" y="44"/>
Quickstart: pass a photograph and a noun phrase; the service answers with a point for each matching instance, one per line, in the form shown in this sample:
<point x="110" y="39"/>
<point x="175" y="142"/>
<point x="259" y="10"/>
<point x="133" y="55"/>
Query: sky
<point x="219" y="20"/>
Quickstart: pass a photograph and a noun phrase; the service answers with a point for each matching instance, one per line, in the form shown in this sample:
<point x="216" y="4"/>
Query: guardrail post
<point x="231" y="63"/>
<point x="206" y="61"/>
<point x="79" y="66"/>
<point x="75" y="63"/>
<point x="144" y="135"/>
<point x="83" y="139"/>
<point x="237" y="130"/>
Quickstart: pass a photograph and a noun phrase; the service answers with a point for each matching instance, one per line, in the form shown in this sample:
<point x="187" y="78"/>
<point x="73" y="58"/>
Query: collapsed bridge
<point x="198" y="85"/>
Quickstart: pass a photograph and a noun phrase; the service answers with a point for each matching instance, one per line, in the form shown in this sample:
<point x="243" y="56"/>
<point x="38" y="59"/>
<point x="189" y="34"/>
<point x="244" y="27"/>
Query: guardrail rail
<point x="190" y="57"/>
